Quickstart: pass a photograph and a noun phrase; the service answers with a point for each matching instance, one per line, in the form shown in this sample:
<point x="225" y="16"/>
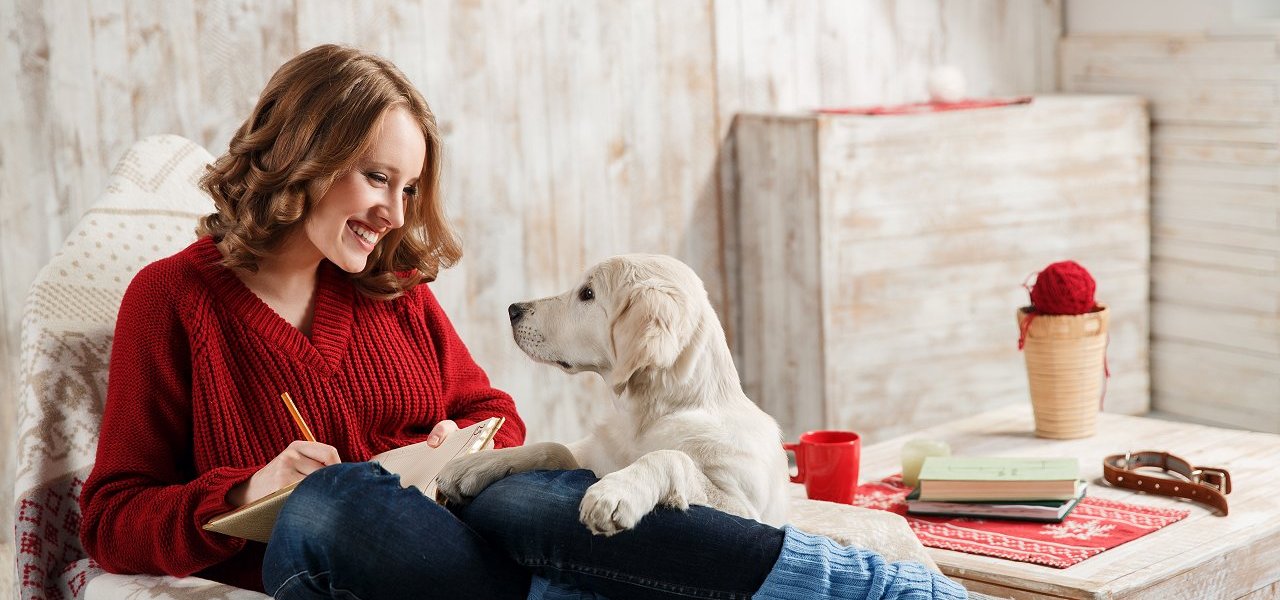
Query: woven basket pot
<point x="1065" y="355"/>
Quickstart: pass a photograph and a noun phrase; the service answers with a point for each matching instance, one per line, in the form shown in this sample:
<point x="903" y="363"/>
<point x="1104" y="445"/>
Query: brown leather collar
<point x="1206" y="485"/>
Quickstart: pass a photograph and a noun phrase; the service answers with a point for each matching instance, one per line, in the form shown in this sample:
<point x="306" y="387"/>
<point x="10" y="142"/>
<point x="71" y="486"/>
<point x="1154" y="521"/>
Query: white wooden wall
<point x="1215" y="211"/>
<point x="574" y="130"/>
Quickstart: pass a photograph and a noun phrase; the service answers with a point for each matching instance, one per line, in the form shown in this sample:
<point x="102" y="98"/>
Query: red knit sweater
<point x="193" y="403"/>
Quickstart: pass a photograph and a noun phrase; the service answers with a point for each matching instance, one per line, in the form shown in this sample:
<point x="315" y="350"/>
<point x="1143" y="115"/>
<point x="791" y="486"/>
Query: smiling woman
<point x="306" y="279"/>
<point x="340" y="141"/>
<point x="368" y="201"/>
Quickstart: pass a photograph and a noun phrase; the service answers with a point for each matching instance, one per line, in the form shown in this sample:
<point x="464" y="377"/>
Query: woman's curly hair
<point x="316" y="118"/>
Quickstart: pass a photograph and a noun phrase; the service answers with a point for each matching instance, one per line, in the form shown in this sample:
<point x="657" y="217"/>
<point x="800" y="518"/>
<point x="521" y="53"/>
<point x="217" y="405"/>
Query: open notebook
<point x="416" y="464"/>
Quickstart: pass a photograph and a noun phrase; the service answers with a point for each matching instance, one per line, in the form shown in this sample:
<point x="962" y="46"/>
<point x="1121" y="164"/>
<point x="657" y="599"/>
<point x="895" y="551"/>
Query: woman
<point x="307" y="280"/>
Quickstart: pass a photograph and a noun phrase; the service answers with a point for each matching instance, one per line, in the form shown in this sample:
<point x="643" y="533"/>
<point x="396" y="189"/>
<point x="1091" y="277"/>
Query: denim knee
<point x="311" y="522"/>
<point x="313" y="532"/>
<point x="329" y="502"/>
<point x="528" y="506"/>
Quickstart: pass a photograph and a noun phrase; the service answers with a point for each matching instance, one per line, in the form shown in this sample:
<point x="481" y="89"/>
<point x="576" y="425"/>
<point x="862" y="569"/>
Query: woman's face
<point x="365" y="204"/>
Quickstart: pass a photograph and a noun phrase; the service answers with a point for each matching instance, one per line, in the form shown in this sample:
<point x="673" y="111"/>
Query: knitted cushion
<point x="862" y="527"/>
<point x="148" y="211"/>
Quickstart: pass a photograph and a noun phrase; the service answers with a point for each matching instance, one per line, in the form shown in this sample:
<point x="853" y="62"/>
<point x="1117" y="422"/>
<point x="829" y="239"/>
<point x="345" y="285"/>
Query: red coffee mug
<point x="827" y="464"/>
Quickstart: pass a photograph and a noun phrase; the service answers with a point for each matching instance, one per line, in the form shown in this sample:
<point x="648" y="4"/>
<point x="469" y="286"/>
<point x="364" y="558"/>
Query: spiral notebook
<point x="417" y="465"/>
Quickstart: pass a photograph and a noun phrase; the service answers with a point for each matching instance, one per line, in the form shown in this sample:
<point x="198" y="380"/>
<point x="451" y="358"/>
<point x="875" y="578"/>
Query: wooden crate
<point x="1215" y="167"/>
<point x="881" y="258"/>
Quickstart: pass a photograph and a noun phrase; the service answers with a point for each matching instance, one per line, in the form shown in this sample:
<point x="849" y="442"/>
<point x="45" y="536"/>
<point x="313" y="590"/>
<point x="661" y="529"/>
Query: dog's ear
<point x="649" y="331"/>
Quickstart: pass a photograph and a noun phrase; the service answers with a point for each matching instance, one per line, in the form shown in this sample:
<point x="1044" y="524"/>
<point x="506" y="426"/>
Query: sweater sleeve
<point x="143" y="504"/>
<point x="468" y="395"/>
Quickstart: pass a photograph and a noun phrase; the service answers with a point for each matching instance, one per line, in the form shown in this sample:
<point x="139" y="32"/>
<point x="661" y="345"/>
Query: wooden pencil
<point x="297" y="418"/>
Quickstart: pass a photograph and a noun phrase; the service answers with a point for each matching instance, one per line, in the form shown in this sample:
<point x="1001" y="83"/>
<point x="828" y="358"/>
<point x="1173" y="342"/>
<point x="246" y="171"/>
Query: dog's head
<point x="630" y="314"/>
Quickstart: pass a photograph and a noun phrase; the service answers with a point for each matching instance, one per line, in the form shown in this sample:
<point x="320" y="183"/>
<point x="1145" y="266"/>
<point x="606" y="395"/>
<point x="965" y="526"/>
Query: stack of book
<point x="1031" y="489"/>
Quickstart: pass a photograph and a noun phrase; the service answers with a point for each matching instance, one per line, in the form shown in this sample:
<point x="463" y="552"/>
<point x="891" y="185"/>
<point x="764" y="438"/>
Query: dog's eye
<point x="586" y="295"/>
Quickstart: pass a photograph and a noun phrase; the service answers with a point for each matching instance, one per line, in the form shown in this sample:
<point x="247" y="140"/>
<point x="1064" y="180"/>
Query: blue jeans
<point x="351" y="531"/>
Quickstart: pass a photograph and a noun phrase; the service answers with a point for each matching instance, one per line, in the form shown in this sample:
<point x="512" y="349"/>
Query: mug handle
<point x="795" y="448"/>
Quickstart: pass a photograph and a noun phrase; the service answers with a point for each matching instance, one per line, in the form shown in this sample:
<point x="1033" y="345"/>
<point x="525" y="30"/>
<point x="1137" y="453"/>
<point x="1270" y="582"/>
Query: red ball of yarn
<point x="1063" y="288"/>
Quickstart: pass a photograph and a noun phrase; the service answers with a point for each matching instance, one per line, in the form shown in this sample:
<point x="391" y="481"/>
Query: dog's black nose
<point x="515" y="311"/>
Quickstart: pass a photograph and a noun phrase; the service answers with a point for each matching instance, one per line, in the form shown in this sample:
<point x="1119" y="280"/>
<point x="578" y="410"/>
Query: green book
<point x="977" y="478"/>
<point x="1044" y="511"/>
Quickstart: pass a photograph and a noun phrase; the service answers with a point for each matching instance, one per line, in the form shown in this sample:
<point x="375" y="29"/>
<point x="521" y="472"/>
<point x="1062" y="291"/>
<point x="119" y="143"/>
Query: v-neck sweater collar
<point x="331" y="321"/>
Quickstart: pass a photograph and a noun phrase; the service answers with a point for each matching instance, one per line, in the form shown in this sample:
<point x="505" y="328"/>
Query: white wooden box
<point x="880" y="259"/>
<point x="1215" y="176"/>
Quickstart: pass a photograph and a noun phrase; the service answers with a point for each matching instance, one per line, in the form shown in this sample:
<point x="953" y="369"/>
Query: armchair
<point x="148" y="211"/>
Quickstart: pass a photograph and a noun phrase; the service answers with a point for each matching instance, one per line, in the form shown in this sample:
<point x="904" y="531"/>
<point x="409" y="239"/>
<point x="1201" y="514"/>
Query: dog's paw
<point x="611" y="506"/>
<point x="675" y="500"/>
<point x="468" y="475"/>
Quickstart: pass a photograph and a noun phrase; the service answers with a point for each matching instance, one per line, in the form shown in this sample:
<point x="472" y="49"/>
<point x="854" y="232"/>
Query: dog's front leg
<point x="620" y="499"/>
<point x="468" y="475"/>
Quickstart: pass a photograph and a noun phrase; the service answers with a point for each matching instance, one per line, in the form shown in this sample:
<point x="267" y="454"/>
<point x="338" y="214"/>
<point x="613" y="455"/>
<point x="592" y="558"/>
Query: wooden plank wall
<point x="574" y="130"/>
<point x="1215" y="264"/>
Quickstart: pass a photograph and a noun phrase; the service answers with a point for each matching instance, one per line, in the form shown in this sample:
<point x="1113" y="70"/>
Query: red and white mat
<point x="1093" y="526"/>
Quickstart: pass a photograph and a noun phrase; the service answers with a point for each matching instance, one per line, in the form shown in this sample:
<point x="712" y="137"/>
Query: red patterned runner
<point x="1093" y="526"/>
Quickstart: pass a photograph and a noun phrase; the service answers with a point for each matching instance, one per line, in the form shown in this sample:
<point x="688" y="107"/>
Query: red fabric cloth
<point x="925" y="107"/>
<point x="193" y="406"/>
<point x="1094" y="525"/>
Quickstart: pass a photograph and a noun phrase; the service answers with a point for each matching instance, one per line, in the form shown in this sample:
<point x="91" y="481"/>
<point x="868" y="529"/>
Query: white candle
<point x="913" y="454"/>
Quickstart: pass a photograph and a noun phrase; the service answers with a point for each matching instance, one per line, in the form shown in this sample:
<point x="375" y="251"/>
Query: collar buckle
<point x="1211" y="477"/>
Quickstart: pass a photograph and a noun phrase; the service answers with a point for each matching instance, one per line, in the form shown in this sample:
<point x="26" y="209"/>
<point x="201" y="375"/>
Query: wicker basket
<point x="1065" y="355"/>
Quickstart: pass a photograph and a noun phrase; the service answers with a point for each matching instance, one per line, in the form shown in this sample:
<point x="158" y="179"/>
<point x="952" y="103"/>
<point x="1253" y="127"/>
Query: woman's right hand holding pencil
<point x="300" y="459"/>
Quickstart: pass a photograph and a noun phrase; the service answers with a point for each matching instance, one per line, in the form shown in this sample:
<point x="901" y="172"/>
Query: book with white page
<point x="418" y="465"/>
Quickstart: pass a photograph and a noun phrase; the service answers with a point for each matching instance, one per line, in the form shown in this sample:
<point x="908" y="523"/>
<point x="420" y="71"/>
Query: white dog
<point x="684" y="434"/>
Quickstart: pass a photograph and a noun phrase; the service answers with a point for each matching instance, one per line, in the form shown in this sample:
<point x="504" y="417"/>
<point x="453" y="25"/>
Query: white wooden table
<point x="1204" y="556"/>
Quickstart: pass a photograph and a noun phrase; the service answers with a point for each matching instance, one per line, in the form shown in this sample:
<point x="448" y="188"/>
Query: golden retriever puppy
<point x="683" y="432"/>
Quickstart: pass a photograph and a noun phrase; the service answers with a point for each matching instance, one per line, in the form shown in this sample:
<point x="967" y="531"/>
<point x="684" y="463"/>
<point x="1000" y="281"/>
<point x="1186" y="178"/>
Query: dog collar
<point x="1206" y="485"/>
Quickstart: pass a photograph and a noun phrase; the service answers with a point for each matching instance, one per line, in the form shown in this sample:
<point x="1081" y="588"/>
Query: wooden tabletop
<point x="1204" y="556"/>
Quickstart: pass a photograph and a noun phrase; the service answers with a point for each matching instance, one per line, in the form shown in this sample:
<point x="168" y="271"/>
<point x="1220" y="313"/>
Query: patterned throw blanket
<point x="148" y="211"/>
<point x="1093" y="526"/>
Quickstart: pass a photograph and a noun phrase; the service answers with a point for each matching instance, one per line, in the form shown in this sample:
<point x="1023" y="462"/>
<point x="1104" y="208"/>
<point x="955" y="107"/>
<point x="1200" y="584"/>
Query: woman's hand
<point x="440" y="432"/>
<point x="300" y="459"/>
